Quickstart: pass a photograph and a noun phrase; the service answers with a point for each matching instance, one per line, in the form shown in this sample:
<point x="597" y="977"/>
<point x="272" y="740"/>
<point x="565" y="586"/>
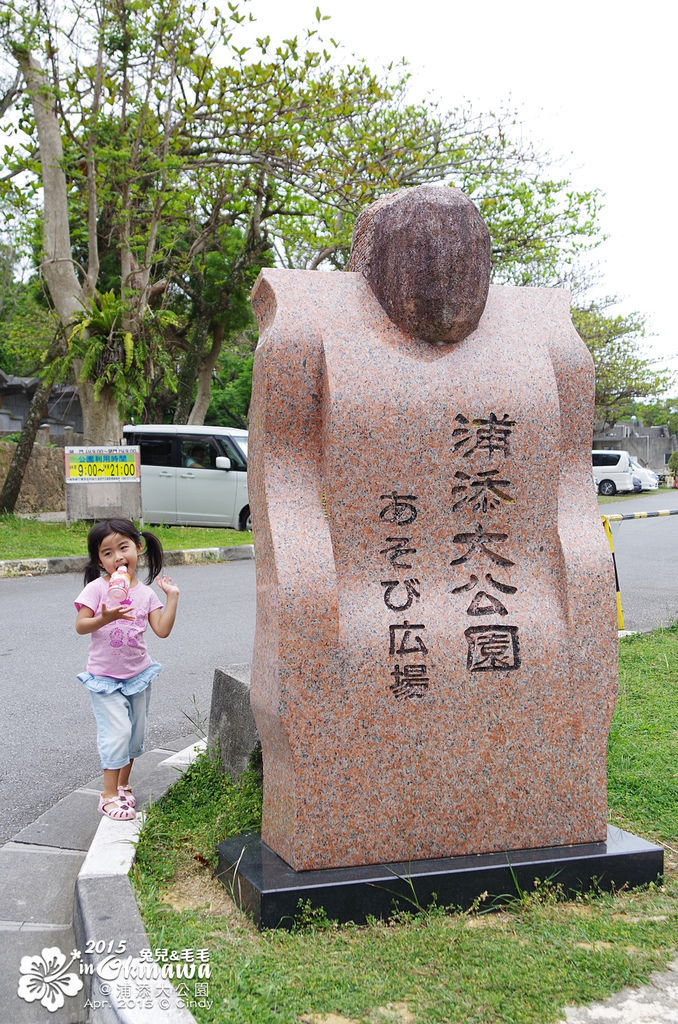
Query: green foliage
<point x="657" y="414"/>
<point x="26" y="325"/>
<point x="643" y="744"/>
<point x="31" y="538"/>
<point x="186" y="171"/>
<point x="231" y="395"/>
<point x="524" y="964"/>
<point x="201" y="809"/>
<point x="673" y="463"/>
<point x="102" y="351"/>
<point x="622" y="372"/>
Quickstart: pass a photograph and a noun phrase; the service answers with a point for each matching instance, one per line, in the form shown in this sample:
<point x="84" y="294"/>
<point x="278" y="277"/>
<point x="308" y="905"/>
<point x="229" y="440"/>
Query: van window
<point x="155" y="452"/>
<point x="605" y="459"/>
<point x="198" y="453"/>
<point x="233" y="453"/>
<point x="242" y="444"/>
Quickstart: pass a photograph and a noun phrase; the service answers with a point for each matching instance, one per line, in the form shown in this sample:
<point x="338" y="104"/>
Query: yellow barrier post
<point x="608" y="531"/>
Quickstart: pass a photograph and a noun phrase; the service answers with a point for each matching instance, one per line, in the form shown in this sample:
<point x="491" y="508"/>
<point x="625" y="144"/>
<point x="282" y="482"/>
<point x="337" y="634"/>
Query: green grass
<point x="643" y="744"/>
<point x="30" y="538"/>
<point x="603" y="500"/>
<point x="518" y="966"/>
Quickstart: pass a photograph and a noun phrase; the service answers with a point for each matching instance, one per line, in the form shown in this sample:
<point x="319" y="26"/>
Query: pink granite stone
<point x="435" y="654"/>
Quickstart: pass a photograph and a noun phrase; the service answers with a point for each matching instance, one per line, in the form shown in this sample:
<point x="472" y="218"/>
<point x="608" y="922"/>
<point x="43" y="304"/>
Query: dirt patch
<point x="392" y="1013"/>
<point x="491" y="920"/>
<point x="670" y="861"/>
<point x="195" y="888"/>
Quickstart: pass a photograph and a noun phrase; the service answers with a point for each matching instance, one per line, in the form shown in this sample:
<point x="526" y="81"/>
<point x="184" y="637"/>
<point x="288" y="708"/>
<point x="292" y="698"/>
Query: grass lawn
<point x="603" y="500"/>
<point x="520" y="965"/>
<point x="30" y="538"/>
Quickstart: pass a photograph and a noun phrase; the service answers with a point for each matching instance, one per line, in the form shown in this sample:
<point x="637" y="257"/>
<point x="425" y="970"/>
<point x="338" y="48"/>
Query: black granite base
<point x="270" y="890"/>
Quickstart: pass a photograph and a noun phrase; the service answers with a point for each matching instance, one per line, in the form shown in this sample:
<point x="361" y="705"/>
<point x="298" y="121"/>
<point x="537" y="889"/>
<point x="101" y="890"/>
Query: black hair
<point x="126" y="528"/>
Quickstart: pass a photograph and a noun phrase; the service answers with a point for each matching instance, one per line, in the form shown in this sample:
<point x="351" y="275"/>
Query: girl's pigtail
<point x="153" y="555"/>
<point x="92" y="572"/>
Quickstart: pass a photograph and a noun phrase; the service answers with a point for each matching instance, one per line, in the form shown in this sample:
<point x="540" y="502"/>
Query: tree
<point x="623" y="374"/>
<point x="151" y="148"/>
<point x="218" y="285"/>
<point x="26" y="325"/>
<point x="661" y="412"/>
<point x="231" y="399"/>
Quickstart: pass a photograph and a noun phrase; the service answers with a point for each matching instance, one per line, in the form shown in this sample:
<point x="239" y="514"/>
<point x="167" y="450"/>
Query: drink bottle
<point x="118" y="584"/>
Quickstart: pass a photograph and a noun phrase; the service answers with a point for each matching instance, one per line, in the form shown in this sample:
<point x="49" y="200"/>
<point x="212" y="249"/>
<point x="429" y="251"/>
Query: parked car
<point x="648" y="479"/>
<point x="192" y="475"/>
<point x="613" y="471"/>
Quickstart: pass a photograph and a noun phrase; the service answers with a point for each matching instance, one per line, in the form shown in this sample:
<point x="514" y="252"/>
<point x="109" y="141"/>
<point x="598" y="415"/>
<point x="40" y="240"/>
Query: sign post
<point x="102" y="482"/>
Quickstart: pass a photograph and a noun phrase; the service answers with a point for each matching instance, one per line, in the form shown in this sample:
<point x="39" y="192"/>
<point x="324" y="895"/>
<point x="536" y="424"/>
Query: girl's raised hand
<point x="166" y="585"/>
<point x="113" y="614"/>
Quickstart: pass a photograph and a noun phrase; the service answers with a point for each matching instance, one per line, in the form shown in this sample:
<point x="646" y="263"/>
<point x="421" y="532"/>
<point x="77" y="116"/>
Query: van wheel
<point x="246" y="518"/>
<point x="607" y="487"/>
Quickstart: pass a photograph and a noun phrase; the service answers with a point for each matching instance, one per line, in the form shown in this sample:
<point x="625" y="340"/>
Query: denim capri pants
<point x="120" y="716"/>
<point x="121" y="725"/>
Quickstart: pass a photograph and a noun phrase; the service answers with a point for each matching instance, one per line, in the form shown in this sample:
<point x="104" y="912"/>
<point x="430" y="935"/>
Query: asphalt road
<point x="646" y="552"/>
<point x="48" y="745"/>
<point x="48" y="737"/>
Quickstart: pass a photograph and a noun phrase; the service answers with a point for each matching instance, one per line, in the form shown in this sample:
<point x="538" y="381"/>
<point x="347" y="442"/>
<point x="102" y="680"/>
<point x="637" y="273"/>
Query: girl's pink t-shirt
<point x="119" y="650"/>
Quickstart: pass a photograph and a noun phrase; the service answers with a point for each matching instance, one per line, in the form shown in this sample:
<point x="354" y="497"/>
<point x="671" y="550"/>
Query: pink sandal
<point x="115" y="808"/>
<point x="125" y="794"/>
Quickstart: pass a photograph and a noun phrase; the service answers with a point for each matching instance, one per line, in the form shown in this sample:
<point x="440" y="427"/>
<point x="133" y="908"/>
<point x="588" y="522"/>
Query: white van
<point x="648" y="478"/>
<point x="613" y="471"/>
<point x="192" y="476"/>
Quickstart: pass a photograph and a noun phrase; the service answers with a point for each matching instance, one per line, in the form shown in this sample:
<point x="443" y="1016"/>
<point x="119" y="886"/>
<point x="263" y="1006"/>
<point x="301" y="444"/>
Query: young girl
<point x="119" y="668"/>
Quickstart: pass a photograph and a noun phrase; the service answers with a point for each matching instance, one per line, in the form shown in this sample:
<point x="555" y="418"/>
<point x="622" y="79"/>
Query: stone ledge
<point x="265" y="886"/>
<point x="232" y="733"/>
<point x="77" y="563"/>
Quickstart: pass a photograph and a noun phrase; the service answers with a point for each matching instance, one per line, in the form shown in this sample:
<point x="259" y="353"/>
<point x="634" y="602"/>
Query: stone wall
<point x="43" y="489"/>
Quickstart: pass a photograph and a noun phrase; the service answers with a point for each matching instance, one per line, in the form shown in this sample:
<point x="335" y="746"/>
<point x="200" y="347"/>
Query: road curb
<point x="105" y="905"/>
<point x="191" y="556"/>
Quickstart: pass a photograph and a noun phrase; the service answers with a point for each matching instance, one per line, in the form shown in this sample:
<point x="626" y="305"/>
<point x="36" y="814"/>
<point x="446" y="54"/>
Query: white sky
<point x="595" y="82"/>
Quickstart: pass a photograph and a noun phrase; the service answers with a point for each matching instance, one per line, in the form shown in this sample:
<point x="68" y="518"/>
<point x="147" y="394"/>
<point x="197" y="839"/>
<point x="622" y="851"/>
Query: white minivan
<point x="613" y="471"/>
<point x="648" y="478"/>
<point x="192" y="475"/>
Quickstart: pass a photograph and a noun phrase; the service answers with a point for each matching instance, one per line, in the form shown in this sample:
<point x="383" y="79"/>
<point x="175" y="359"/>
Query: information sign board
<point x="103" y="465"/>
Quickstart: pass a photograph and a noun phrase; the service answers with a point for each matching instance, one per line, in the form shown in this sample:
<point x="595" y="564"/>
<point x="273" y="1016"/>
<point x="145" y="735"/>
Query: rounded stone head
<point x="425" y="252"/>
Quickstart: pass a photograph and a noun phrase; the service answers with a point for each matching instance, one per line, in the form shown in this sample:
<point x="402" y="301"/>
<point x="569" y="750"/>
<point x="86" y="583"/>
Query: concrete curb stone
<point x="191" y="556"/>
<point x="105" y="906"/>
<point x="90" y="867"/>
<point x="65" y="889"/>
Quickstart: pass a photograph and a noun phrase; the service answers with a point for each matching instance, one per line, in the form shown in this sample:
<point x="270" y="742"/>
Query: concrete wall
<point x="652" y="446"/>
<point x="43" y="489"/>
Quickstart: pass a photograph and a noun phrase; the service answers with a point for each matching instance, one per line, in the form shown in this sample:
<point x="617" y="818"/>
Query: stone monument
<point x="435" y="655"/>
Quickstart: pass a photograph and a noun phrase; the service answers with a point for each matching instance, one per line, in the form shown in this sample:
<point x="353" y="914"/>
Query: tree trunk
<point x="57" y="262"/>
<point x="189" y="373"/>
<point x="101" y="423"/>
<point x="205" y="371"/>
<point x="101" y="420"/>
<point x="17" y="467"/>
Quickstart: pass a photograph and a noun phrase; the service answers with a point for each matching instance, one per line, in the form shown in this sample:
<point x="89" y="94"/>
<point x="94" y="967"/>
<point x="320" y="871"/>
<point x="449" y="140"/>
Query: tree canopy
<point x="658" y="413"/>
<point x="169" y="157"/>
<point x="623" y="374"/>
<point x="26" y="325"/>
